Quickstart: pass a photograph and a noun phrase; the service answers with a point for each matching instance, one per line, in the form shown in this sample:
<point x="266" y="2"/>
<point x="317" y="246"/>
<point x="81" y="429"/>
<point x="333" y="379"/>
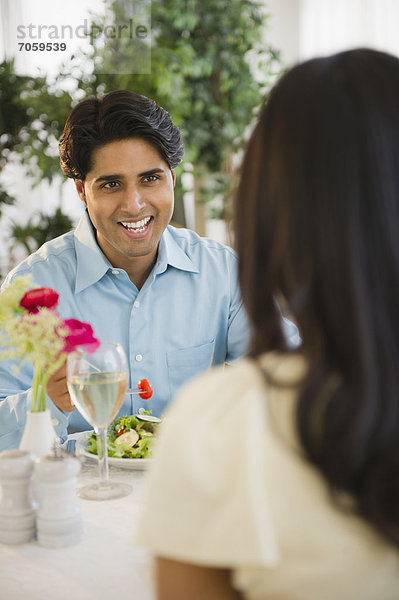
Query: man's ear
<point x="174" y="177"/>
<point x="80" y="186"/>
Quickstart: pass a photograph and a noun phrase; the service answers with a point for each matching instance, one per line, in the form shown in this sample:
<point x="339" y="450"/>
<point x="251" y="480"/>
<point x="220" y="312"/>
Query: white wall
<point x="283" y="28"/>
<point x="303" y="29"/>
<point x="328" y="26"/>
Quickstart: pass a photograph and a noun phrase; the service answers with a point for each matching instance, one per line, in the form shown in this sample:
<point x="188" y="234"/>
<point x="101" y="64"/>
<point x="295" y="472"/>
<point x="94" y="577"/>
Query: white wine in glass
<point x="97" y="383"/>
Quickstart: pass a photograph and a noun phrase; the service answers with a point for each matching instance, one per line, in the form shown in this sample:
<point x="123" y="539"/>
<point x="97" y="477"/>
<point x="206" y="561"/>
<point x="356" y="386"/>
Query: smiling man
<point x="129" y="197"/>
<point x="170" y="297"/>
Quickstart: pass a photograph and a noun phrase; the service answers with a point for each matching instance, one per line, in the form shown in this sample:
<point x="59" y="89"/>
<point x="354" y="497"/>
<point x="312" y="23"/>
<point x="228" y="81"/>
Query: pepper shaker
<point x="17" y="514"/>
<point x="59" y="521"/>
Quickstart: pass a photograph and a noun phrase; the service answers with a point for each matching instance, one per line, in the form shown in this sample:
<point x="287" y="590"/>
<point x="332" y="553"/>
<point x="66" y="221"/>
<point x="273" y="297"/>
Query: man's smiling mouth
<point x="137" y="226"/>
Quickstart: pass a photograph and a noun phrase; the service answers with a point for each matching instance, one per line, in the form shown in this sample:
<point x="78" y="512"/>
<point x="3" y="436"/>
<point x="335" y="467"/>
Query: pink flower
<point x="81" y="335"/>
<point x="38" y="297"/>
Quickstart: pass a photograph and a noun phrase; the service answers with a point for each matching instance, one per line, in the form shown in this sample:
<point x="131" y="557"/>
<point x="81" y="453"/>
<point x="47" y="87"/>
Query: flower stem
<point x="37" y="376"/>
<point x="42" y="394"/>
<point x="44" y="381"/>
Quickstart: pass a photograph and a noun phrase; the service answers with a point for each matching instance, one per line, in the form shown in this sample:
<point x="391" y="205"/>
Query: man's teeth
<point x="138" y="227"/>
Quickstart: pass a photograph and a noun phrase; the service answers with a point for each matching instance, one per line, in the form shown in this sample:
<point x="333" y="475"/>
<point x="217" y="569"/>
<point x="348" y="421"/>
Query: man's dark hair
<point x="116" y="116"/>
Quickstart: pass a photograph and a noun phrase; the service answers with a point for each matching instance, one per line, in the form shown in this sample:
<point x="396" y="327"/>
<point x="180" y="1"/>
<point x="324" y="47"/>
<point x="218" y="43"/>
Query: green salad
<point x="129" y="437"/>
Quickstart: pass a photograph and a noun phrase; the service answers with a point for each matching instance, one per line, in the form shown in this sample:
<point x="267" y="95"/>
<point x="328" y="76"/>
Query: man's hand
<point x="58" y="391"/>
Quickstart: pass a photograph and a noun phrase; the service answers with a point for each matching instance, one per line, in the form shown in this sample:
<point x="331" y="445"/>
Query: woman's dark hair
<point x="317" y="224"/>
<point x="117" y="116"/>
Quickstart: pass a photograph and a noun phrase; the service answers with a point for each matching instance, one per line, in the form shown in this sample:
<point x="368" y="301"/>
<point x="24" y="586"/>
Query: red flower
<point x="38" y="297"/>
<point x="81" y="334"/>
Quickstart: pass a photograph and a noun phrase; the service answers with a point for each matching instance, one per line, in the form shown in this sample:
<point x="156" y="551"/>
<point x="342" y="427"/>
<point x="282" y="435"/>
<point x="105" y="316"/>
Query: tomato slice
<point x="145" y="389"/>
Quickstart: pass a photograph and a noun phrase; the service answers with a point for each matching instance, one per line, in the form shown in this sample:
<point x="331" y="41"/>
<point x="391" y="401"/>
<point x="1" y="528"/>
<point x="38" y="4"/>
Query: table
<point x="106" y="564"/>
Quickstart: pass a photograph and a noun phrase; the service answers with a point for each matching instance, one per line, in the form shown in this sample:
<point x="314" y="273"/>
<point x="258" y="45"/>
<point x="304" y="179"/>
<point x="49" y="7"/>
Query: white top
<point x="230" y="488"/>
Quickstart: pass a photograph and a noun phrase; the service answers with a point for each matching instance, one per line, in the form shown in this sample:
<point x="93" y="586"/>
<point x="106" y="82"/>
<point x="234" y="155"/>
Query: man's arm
<point x="239" y="331"/>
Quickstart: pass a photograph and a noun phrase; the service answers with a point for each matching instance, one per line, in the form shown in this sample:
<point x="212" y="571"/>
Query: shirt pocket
<point x="186" y="362"/>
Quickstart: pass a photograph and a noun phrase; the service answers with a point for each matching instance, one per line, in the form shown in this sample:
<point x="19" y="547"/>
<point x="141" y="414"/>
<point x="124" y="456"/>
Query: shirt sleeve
<point x="239" y="329"/>
<point x="238" y="336"/>
<point x="238" y="333"/>
<point x="291" y="333"/>
<point x="206" y="500"/>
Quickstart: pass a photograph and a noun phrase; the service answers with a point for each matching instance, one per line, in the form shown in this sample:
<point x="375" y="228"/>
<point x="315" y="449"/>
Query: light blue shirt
<point x="187" y="316"/>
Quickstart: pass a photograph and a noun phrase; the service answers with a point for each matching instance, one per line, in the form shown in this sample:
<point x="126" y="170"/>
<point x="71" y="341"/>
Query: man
<point x="168" y="296"/>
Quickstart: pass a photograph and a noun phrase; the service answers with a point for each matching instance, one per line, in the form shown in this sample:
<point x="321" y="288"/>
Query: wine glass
<point x="97" y="383"/>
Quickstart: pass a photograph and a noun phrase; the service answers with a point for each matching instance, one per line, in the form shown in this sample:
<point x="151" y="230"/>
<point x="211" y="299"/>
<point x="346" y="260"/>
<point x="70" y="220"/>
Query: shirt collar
<point x="92" y="264"/>
<point x="170" y="253"/>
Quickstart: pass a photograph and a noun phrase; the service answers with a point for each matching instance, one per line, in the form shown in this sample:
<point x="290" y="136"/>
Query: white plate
<point x="121" y="463"/>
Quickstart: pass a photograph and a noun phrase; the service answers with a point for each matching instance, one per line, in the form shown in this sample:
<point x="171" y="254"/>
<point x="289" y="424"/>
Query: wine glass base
<point x="104" y="491"/>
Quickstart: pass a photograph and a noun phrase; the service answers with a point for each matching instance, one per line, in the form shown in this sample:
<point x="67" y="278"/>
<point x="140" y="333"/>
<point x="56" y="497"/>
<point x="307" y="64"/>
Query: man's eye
<point x="151" y="178"/>
<point x="109" y="185"/>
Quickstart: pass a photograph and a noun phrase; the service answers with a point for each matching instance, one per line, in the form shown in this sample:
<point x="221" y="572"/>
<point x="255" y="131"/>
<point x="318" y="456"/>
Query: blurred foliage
<point x="200" y="69"/>
<point x="31" y="119"/>
<point x="203" y="57"/>
<point x="13" y="109"/>
<point x="40" y="228"/>
<point x="13" y="117"/>
<point x="32" y="116"/>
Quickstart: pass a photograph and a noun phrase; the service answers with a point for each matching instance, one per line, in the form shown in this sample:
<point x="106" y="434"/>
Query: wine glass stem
<point x="102" y="451"/>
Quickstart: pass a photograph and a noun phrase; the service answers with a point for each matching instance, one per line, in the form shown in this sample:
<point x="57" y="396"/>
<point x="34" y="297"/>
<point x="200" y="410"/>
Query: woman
<point x="279" y="478"/>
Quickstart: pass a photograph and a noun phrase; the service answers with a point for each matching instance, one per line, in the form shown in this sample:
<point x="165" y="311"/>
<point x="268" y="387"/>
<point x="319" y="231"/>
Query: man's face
<point x="129" y="193"/>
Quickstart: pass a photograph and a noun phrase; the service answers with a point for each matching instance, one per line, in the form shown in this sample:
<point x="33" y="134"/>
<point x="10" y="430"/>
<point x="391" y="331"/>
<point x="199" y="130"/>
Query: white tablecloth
<point x="106" y="564"/>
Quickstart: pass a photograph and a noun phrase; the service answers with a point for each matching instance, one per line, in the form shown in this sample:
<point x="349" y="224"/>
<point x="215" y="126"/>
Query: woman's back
<point x="237" y="490"/>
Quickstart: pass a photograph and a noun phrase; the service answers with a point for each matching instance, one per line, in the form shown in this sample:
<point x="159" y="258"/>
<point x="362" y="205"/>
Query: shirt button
<point x="115" y="272"/>
<point x="55" y="422"/>
<point x="139" y="357"/>
<point x="136" y="304"/>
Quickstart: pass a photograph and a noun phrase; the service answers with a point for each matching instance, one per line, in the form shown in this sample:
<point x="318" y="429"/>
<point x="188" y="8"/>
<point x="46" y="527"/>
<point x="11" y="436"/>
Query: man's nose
<point x="133" y="200"/>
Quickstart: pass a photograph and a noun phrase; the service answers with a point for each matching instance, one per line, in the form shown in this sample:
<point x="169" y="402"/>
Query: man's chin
<point x="140" y="252"/>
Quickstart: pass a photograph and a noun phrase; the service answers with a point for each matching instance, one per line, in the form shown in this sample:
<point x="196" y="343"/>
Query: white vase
<point x="39" y="436"/>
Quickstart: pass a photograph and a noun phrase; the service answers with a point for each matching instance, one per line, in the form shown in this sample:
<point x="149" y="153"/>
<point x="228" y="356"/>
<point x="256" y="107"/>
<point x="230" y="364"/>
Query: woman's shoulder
<point x="217" y="438"/>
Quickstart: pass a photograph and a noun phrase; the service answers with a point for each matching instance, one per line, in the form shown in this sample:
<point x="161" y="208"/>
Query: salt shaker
<point x="59" y="521"/>
<point x="17" y="514"/>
